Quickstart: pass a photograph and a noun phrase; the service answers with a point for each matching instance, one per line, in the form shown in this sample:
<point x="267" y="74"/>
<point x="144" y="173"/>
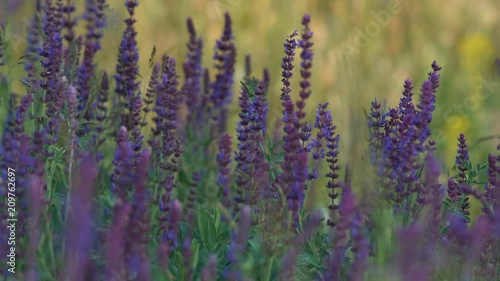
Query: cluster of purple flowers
<point x="149" y="211"/>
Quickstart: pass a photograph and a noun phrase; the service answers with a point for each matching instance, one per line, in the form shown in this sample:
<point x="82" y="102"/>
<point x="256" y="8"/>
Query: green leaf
<point x="195" y="248"/>
<point x="203" y="225"/>
<point x="217" y="221"/>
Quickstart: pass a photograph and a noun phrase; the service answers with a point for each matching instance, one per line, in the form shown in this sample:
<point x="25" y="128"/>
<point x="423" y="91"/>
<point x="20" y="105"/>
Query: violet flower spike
<point x="225" y="59"/>
<point x="224" y="163"/>
<point x="239" y="238"/>
<point x="80" y="231"/>
<point x="347" y="210"/>
<point x="193" y="72"/>
<point x="94" y="16"/>
<point x="127" y="68"/>
<point x="305" y="66"/>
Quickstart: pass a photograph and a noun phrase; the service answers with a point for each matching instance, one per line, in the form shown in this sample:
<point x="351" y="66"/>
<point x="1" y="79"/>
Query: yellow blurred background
<point x="363" y="49"/>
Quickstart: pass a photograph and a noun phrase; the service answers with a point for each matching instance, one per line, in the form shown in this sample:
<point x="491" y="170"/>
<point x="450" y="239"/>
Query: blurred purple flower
<point x="224" y="163"/>
<point x="80" y="229"/>
<point x="239" y="239"/>
<point x="209" y="272"/>
<point x="347" y="210"/>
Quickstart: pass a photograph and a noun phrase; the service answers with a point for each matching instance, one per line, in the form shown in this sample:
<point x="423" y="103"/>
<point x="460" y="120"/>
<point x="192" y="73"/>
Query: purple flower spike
<point x="193" y="72"/>
<point x="296" y="195"/>
<point x="461" y="161"/>
<point x="492" y="193"/>
<point x="33" y="38"/>
<point x="121" y="179"/>
<point x="453" y="194"/>
<point x="323" y="124"/>
<point x="102" y="111"/>
<point x="68" y="22"/>
<point x="243" y="155"/>
<point x="413" y="257"/>
<point x="426" y="107"/>
<point x="127" y="68"/>
<point x="239" y="239"/>
<point x="138" y="228"/>
<point x="332" y="146"/>
<point x="209" y="272"/>
<point x="224" y="163"/>
<point x="36" y="205"/>
<point x="291" y="128"/>
<point x="94" y="16"/>
<point x="305" y="66"/>
<point x="361" y="247"/>
<point x="116" y="238"/>
<point x="225" y="59"/>
<point x="376" y="122"/>
<point x="434" y="198"/>
<point x="347" y="210"/>
<point x="80" y="231"/>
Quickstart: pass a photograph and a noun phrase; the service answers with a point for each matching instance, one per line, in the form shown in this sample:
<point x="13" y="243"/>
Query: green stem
<point x="269" y="268"/>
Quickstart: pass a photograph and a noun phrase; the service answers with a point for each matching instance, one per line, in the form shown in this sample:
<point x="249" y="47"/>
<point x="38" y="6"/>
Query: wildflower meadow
<point x="185" y="173"/>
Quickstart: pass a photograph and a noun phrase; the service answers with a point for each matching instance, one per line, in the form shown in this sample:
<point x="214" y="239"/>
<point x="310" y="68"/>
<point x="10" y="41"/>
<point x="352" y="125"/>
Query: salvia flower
<point x="239" y="238"/>
<point x="224" y="163"/>
<point x="33" y="38"/>
<point x="426" y="106"/>
<point x="291" y="128"/>
<point x="413" y="256"/>
<point x="306" y="56"/>
<point x="323" y="122"/>
<point x="361" y="247"/>
<point x="347" y="210"/>
<point x="493" y="178"/>
<point x="116" y="237"/>
<point x="225" y="59"/>
<point x="138" y="239"/>
<point x="150" y="95"/>
<point x="68" y="22"/>
<point x="434" y="198"/>
<point x="36" y="203"/>
<point x="243" y="155"/>
<point x="296" y="195"/>
<point x="376" y="122"/>
<point x="127" y="70"/>
<point x="80" y="229"/>
<point x="53" y="83"/>
<point x="209" y="272"/>
<point x="94" y="16"/>
<point x="102" y="111"/>
<point x="332" y="153"/>
<point x="193" y="72"/>
<point x="258" y="120"/>
<point x="461" y="163"/>
<point x="173" y="220"/>
<point x="121" y="179"/>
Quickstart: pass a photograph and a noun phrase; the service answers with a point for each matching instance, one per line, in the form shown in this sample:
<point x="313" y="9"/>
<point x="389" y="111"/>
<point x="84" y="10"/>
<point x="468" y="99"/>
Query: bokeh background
<point x="363" y="49"/>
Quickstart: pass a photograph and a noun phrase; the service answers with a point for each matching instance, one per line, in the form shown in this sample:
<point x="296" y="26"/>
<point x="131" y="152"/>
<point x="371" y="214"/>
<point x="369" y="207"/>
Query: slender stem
<point x="269" y="269"/>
